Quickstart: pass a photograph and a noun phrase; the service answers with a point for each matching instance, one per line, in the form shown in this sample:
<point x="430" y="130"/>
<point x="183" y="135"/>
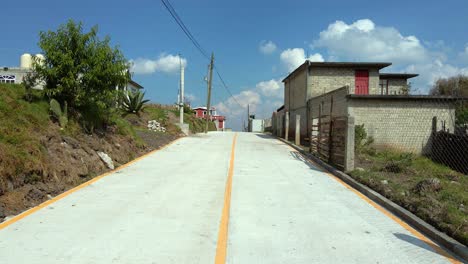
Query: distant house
<point x="18" y="74"/>
<point x="132" y="86"/>
<point x="219" y="120"/>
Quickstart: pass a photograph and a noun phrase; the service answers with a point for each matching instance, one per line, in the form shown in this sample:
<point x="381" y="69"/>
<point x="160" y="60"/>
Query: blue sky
<point x="426" y="38"/>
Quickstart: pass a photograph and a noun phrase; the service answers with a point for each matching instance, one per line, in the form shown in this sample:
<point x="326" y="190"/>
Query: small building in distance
<point x="18" y="74"/>
<point x="219" y="120"/>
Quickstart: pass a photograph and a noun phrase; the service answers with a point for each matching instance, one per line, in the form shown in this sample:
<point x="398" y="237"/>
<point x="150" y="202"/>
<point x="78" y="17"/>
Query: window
<point x="7" y="78"/>
<point x="383" y="84"/>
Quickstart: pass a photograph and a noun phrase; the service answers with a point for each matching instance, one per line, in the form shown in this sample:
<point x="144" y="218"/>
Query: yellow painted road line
<point x="403" y="224"/>
<point x="81" y="186"/>
<point x="221" y="247"/>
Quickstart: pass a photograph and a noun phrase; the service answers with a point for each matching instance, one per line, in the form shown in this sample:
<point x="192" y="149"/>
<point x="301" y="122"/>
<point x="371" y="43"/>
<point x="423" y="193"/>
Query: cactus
<point x="60" y="114"/>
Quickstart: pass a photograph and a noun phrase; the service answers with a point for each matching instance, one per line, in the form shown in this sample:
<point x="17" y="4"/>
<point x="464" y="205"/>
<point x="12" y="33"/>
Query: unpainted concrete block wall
<point x="403" y="125"/>
<point x="396" y="86"/>
<point x="295" y="91"/>
<point x="324" y="102"/>
<point x="324" y="80"/>
<point x="292" y="121"/>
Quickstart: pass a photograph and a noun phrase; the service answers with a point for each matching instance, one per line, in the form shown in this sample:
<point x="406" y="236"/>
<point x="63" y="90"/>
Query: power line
<point x="184" y="28"/>
<point x="226" y="87"/>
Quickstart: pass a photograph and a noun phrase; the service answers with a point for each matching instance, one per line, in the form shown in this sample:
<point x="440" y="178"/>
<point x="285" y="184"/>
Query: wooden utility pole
<point x="208" y="106"/>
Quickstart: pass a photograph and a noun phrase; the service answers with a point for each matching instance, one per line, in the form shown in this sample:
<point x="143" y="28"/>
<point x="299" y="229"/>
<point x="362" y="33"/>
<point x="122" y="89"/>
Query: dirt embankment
<point x="70" y="161"/>
<point x="65" y="161"/>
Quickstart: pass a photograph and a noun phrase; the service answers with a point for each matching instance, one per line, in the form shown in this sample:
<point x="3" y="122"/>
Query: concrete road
<point x="168" y="206"/>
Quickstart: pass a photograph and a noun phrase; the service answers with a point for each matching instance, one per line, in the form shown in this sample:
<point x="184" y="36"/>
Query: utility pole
<point x="181" y="99"/>
<point x="248" y="118"/>
<point x="210" y="79"/>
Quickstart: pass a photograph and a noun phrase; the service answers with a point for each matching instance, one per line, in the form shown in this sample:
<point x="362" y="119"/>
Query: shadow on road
<point x="300" y="157"/>
<point x="415" y="241"/>
<point x="264" y="136"/>
<point x="295" y="154"/>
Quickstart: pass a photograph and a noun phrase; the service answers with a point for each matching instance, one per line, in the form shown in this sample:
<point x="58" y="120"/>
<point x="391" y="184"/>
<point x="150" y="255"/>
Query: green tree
<point x="82" y="70"/>
<point x="454" y="86"/>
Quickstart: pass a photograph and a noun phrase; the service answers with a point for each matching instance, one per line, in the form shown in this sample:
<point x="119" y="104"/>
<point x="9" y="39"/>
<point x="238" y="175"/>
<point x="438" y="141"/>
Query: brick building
<point x="313" y="79"/>
<point x="400" y="122"/>
<point x="219" y="120"/>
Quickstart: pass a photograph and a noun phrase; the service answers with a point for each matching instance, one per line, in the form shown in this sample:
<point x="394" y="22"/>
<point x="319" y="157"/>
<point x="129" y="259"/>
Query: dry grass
<point x="432" y="191"/>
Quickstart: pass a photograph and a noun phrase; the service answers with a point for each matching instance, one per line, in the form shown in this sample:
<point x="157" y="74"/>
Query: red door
<point x="362" y="82"/>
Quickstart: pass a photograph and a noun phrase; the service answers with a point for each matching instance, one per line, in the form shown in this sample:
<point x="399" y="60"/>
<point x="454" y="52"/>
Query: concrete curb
<point x="449" y="243"/>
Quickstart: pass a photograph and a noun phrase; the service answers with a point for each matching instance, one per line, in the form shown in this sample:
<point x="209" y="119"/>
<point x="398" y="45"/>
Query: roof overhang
<point x="405" y="97"/>
<point x="135" y="84"/>
<point x="354" y="65"/>
<point x="397" y="75"/>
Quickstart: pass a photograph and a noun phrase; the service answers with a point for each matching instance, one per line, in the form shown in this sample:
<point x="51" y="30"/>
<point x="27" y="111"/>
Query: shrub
<point x="362" y="142"/>
<point x="133" y="102"/>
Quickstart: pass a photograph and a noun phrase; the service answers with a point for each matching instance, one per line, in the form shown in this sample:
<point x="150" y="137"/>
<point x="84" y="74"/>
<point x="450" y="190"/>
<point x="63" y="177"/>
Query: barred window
<point x="7" y="78"/>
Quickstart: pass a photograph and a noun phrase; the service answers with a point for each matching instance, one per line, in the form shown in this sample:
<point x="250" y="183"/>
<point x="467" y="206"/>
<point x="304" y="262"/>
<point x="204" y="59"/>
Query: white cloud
<point x="267" y="47"/>
<point x="245" y="98"/>
<point x="293" y="58"/>
<point x="262" y="99"/>
<point x="190" y="97"/>
<point x="464" y="54"/>
<point x="432" y="71"/>
<point x="363" y="40"/>
<point x="166" y="63"/>
<point x="271" y="88"/>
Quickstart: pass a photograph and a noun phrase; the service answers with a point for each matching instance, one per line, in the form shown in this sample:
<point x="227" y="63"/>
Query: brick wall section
<point x="403" y="125"/>
<point x="295" y="101"/>
<point x="395" y="86"/>
<point x="295" y="91"/>
<point x="324" y="80"/>
<point x="324" y="101"/>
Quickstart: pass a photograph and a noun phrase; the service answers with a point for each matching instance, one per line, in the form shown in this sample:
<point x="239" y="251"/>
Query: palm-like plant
<point x="133" y="102"/>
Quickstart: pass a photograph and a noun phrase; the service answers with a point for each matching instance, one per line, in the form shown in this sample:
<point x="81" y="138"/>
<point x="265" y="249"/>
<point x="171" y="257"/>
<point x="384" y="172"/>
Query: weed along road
<point x="215" y="198"/>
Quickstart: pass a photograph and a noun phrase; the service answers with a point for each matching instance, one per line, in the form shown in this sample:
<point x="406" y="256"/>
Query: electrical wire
<point x="184" y="28"/>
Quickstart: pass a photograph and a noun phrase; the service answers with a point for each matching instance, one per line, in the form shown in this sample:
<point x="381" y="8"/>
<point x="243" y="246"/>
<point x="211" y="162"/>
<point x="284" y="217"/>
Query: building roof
<point x="279" y="109"/>
<point x="219" y="117"/>
<point x="203" y="107"/>
<point x="406" y="97"/>
<point x="398" y="75"/>
<point x="310" y="64"/>
<point x="137" y="85"/>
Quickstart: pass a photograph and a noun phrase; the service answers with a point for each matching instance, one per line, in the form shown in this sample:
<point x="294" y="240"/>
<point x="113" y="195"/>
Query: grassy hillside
<point x="38" y="158"/>
<point x="22" y="125"/>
